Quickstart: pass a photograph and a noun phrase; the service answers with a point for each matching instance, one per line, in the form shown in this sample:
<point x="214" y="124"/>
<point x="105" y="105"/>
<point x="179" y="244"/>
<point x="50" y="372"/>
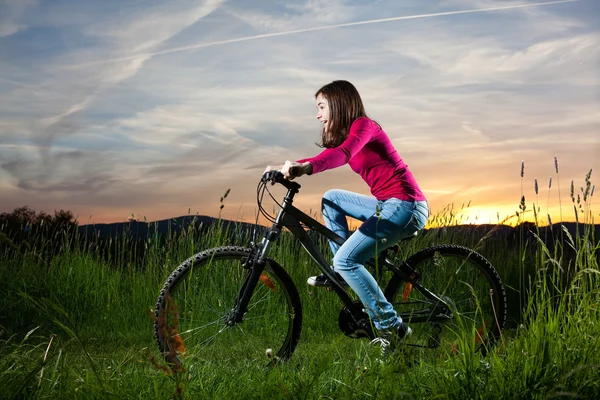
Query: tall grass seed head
<point x="588" y="184"/>
<point x="572" y="192"/>
<point x="522" y="168"/>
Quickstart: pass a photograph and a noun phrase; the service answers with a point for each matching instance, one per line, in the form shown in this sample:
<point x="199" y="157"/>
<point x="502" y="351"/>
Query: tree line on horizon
<point x="25" y="230"/>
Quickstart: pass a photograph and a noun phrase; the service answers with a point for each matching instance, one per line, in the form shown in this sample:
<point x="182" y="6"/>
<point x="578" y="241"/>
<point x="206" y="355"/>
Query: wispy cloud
<point x="160" y="108"/>
<point x="263" y="21"/>
<point x="143" y="30"/>
<point x="11" y="12"/>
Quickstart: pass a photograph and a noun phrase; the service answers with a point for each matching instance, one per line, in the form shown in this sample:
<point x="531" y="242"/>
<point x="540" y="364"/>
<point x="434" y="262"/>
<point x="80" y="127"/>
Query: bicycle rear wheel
<point x="196" y="300"/>
<point x="471" y="288"/>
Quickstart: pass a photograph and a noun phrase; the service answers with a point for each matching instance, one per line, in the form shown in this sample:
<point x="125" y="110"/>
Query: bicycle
<point x="238" y="302"/>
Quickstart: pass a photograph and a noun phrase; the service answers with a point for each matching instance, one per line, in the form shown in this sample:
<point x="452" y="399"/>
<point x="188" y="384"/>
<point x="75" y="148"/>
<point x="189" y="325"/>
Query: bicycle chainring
<point x="355" y="323"/>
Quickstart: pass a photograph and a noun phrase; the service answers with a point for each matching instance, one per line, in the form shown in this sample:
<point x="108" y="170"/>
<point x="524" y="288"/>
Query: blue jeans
<point x="396" y="219"/>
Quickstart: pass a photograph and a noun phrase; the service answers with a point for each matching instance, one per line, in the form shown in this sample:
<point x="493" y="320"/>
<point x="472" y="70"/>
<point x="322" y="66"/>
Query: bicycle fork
<point x="255" y="265"/>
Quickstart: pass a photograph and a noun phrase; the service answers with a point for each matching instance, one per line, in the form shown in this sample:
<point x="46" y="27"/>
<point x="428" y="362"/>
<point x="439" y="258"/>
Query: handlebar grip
<point x="274" y="175"/>
<point x="277" y="177"/>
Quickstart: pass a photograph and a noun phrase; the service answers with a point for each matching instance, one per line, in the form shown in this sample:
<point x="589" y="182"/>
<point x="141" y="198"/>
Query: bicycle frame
<point x="292" y="218"/>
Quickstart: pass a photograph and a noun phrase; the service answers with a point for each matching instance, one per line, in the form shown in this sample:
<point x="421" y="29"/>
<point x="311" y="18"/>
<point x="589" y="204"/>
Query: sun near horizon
<point x="132" y="119"/>
<point x="446" y="216"/>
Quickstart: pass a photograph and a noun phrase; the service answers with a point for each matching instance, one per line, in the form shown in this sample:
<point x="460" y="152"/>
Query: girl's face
<point x="322" y="110"/>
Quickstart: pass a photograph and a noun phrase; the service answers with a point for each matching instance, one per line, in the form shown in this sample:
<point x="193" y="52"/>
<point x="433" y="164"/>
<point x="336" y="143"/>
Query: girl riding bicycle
<point x="398" y="208"/>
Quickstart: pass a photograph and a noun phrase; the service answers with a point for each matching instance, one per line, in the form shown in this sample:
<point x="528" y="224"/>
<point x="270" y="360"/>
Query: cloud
<point x="146" y="30"/>
<point x="133" y="34"/>
<point x="542" y="62"/>
<point x="162" y="108"/>
<point x="61" y="172"/>
<point x="293" y="15"/>
<point x="11" y="12"/>
<point x="262" y="20"/>
<point x="540" y="17"/>
<point x="464" y="60"/>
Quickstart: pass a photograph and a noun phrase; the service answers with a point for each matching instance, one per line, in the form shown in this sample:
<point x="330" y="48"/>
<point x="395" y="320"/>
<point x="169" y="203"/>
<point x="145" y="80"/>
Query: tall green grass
<point x="77" y="325"/>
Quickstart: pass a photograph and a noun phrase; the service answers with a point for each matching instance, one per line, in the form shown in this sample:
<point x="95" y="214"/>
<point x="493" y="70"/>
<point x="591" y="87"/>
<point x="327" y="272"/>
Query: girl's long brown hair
<point x="345" y="106"/>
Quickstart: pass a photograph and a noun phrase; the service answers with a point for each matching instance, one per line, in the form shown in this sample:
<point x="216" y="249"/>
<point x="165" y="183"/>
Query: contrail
<point x="319" y="28"/>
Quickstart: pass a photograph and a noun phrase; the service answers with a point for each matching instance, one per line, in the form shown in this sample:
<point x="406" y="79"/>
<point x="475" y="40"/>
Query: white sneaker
<point x="323" y="281"/>
<point x="388" y="341"/>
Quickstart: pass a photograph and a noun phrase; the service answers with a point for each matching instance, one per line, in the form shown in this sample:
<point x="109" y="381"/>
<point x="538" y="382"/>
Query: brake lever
<point x="271" y="176"/>
<point x="277" y="176"/>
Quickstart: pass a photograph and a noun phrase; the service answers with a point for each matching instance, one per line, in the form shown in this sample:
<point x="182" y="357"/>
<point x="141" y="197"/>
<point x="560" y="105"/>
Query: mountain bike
<point x="234" y="303"/>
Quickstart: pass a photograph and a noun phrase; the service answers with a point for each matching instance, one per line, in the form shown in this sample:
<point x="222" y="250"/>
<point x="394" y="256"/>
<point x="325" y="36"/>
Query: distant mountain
<point x="549" y="234"/>
<point x="142" y="229"/>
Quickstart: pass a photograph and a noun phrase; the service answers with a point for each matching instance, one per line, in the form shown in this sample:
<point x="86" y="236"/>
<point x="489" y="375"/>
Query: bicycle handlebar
<point x="294" y="171"/>
<point x="276" y="176"/>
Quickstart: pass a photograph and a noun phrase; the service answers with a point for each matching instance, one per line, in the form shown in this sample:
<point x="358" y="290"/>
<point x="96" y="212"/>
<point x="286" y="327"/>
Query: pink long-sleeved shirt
<point x="370" y="153"/>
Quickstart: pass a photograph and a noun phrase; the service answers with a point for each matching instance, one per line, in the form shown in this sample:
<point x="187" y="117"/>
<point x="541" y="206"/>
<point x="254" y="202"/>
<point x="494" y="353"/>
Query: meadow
<point x="76" y="323"/>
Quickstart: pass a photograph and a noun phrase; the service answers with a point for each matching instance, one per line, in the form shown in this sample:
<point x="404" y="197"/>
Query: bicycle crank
<point x="355" y="322"/>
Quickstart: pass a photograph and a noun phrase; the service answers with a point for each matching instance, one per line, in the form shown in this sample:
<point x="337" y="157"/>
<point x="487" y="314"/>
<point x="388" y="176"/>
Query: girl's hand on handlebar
<point x="293" y="169"/>
<point x="272" y="168"/>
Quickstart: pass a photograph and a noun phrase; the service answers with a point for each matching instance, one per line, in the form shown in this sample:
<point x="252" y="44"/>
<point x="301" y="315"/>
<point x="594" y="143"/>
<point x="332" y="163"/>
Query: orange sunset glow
<point x="159" y="123"/>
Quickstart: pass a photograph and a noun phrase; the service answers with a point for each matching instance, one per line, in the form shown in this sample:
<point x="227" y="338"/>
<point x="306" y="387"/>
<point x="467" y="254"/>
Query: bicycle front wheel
<point x="472" y="310"/>
<point x="193" y="309"/>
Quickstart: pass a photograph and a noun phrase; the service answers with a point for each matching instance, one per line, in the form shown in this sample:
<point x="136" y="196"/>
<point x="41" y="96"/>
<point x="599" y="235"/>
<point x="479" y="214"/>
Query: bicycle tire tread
<point x="181" y="271"/>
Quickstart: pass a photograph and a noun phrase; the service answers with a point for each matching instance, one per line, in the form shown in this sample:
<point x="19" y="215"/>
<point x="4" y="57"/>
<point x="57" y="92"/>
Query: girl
<point x="397" y="209"/>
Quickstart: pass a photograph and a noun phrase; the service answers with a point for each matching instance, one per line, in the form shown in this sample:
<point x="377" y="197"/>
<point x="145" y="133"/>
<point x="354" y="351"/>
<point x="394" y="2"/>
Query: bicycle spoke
<point x="202" y="302"/>
<point x="264" y="316"/>
<point x="463" y="280"/>
<point x="199" y="328"/>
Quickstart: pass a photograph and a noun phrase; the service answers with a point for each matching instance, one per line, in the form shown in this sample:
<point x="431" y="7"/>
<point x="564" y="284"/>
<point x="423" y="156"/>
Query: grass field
<point x="78" y="326"/>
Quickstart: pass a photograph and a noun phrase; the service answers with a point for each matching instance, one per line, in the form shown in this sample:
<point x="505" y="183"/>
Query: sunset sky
<point x="153" y="108"/>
